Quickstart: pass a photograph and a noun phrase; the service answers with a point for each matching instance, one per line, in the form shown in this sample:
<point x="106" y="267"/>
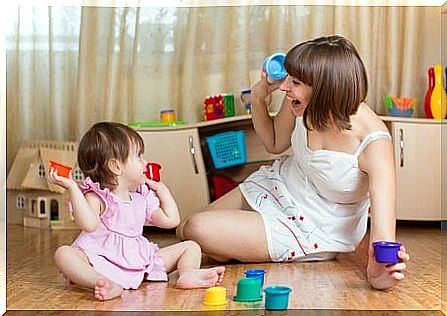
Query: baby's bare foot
<point x="201" y="278"/>
<point x="106" y="290"/>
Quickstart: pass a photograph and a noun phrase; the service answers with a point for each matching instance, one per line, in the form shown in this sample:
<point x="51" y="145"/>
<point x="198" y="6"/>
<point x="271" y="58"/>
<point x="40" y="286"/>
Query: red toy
<point x="213" y="107"/>
<point x="153" y="171"/>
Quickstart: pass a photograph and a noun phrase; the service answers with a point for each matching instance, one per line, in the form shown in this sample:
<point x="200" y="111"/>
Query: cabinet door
<point x="183" y="170"/>
<point x="417" y="150"/>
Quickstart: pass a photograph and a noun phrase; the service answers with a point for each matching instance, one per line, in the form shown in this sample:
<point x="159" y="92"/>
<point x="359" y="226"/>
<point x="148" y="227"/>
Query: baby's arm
<point x="86" y="208"/>
<point x="167" y="216"/>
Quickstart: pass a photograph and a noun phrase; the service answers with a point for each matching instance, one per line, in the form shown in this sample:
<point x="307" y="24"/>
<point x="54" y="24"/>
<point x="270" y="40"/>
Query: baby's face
<point x="134" y="167"/>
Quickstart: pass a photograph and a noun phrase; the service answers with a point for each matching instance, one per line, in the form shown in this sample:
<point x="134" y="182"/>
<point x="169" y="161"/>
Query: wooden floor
<point x="33" y="282"/>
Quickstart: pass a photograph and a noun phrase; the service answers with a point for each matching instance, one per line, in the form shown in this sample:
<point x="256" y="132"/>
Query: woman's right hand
<point x="263" y="88"/>
<point x="64" y="182"/>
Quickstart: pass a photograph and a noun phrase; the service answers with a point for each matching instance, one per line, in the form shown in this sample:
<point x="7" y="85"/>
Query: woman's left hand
<point x="381" y="276"/>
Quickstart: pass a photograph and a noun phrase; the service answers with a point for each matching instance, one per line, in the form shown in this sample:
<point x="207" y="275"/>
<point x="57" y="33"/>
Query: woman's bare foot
<point x="201" y="278"/>
<point x="106" y="290"/>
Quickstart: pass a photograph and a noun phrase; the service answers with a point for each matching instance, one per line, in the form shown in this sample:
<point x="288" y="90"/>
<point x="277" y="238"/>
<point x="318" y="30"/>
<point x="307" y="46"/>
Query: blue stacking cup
<point x="386" y="251"/>
<point x="274" y="66"/>
<point x="256" y="273"/>
<point x="277" y="297"/>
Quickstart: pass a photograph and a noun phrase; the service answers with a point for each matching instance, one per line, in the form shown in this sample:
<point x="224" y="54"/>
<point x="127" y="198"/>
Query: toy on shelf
<point x="221" y="185"/>
<point x="431" y="85"/>
<point x="438" y="99"/>
<point x="403" y="107"/>
<point x="218" y="106"/>
<point x="167" y="115"/>
<point x="227" y="149"/>
<point x="32" y="200"/>
<point x="246" y="100"/>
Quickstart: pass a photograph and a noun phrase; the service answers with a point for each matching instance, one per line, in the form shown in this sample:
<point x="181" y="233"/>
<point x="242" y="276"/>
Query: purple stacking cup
<point x="386" y="251"/>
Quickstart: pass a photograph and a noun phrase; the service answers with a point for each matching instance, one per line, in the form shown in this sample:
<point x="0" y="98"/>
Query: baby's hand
<point x="64" y="182"/>
<point x="160" y="189"/>
<point x="381" y="276"/>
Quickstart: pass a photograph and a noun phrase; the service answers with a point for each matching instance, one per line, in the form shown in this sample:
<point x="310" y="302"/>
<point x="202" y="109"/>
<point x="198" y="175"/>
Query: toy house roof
<point x="24" y="173"/>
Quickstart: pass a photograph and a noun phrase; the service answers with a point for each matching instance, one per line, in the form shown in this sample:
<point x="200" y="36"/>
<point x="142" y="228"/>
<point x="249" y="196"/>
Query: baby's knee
<point x="61" y="253"/>
<point x="193" y="246"/>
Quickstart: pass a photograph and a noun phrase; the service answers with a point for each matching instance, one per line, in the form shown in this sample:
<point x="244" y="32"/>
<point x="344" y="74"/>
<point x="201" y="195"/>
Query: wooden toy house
<point x="31" y="200"/>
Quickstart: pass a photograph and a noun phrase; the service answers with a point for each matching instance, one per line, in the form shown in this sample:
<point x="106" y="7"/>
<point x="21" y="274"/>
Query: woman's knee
<point x="194" y="226"/>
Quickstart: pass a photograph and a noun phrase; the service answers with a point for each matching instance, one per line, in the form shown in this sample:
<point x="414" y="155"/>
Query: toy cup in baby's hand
<point x="386" y="251"/>
<point x="61" y="169"/>
<point x="153" y="171"/>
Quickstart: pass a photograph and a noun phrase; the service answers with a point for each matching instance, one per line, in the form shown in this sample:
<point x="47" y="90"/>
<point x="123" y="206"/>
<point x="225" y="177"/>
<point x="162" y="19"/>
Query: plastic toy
<point x="248" y="290"/>
<point x="153" y="171"/>
<point x="246" y="100"/>
<point x="216" y="295"/>
<point x="274" y="66"/>
<point x="62" y="170"/>
<point x="256" y="273"/>
<point x="218" y="106"/>
<point x="277" y="297"/>
<point x="403" y="107"/>
<point x="386" y="251"/>
<point x="431" y="85"/>
<point x="438" y="100"/>
<point x="214" y="107"/>
<point x="167" y="115"/>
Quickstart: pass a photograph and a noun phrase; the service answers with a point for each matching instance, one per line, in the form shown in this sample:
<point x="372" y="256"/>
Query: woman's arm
<point x="86" y="209"/>
<point x="274" y="132"/>
<point x="377" y="160"/>
<point x="167" y="216"/>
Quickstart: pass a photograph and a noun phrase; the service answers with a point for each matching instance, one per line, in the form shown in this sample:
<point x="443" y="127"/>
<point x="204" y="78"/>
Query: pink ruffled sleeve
<point x="152" y="201"/>
<point x="103" y="194"/>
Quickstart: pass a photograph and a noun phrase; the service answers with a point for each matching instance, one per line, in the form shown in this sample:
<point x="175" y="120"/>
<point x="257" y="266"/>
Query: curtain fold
<point x="68" y="67"/>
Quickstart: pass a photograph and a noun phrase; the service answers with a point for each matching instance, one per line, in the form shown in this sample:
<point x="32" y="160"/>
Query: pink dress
<point x="117" y="249"/>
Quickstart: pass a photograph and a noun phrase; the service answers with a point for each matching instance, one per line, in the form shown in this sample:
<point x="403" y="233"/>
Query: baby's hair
<point x="104" y="141"/>
<point x="333" y="68"/>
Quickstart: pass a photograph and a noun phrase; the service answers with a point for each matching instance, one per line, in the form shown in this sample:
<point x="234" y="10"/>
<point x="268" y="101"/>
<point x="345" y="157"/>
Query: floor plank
<point x="34" y="283"/>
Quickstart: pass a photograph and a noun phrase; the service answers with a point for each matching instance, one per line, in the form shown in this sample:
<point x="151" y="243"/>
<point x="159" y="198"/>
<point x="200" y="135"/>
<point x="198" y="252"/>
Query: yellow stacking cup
<point x="216" y="295"/>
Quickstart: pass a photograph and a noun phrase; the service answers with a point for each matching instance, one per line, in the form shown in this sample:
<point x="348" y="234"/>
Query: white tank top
<point x="330" y="188"/>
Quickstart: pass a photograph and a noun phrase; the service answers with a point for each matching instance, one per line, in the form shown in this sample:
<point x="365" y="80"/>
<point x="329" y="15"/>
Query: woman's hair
<point x="332" y="66"/>
<point x="104" y="141"/>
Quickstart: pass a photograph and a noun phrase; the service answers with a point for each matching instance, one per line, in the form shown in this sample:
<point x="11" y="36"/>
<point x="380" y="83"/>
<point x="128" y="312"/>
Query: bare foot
<point x="106" y="290"/>
<point x="201" y="278"/>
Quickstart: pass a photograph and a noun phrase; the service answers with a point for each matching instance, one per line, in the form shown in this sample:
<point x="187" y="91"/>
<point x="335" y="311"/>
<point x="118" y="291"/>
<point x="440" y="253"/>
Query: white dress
<point x="314" y="203"/>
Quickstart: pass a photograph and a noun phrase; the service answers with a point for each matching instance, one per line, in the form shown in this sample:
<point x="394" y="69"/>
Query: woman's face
<point x="298" y="93"/>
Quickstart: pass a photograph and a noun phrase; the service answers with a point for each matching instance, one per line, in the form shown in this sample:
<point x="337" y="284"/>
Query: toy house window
<point x="42" y="207"/>
<point x="78" y="176"/>
<point x="20" y="202"/>
<point x="54" y="210"/>
<point x="34" y="207"/>
<point x="41" y="170"/>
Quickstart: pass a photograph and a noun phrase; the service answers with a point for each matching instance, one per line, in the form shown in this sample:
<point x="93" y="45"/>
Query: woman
<point x="314" y="203"/>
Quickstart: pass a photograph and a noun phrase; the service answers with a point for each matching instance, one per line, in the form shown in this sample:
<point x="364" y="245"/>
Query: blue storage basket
<point x="227" y="149"/>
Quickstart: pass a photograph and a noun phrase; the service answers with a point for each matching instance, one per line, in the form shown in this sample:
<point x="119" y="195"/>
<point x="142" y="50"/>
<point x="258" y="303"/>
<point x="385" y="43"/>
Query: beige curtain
<point x="68" y="67"/>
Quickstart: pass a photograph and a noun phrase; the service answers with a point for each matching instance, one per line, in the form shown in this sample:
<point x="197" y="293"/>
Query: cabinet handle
<point x="401" y="146"/>
<point x="192" y="151"/>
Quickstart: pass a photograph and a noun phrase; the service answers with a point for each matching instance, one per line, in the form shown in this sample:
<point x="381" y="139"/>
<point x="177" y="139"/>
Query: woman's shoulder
<point x="366" y="121"/>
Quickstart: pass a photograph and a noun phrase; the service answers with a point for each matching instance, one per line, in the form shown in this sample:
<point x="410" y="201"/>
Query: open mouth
<point x="296" y="103"/>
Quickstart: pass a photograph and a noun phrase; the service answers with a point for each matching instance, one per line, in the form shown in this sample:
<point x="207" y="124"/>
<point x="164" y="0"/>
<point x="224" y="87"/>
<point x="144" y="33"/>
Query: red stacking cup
<point x="153" y="171"/>
<point x="62" y="170"/>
